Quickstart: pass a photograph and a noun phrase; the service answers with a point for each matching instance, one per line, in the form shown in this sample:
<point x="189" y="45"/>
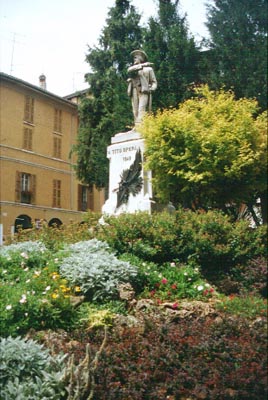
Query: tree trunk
<point x="264" y="204"/>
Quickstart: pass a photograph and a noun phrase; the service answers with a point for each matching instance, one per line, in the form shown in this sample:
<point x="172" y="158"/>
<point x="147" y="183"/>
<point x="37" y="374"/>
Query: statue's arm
<point x="152" y="81"/>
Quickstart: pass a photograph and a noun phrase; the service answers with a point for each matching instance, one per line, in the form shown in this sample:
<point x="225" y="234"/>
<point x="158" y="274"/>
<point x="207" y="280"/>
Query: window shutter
<point x="55" y="119"/>
<point x="18" y="187"/>
<point x="33" y="189"/>
<point x="79" y="206"/>
<point x="90" y="198"/>
<point x="27" y="108"/>
<point x="32" y="110"/>
<point x="60" y="120"/>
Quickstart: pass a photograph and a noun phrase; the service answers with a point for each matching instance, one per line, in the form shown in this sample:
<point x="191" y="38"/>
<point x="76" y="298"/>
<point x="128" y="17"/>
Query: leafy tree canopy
<point x="209" y="152"/>
<point x="238" y="30"/>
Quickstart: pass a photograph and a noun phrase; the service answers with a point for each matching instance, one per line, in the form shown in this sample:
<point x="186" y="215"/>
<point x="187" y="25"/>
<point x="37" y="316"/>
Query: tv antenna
<point x="14" y="41"/>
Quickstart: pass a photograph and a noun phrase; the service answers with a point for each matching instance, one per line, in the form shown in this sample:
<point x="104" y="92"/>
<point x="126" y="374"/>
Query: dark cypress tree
<point x="238" y="47"/>
<point x="108" y="110"/>
<point x="174" y="53"/>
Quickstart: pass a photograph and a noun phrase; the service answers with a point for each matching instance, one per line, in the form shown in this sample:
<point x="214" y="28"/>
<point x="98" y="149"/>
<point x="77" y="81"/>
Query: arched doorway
<point x="55" y="223"/>
<point x="22" y="222"/>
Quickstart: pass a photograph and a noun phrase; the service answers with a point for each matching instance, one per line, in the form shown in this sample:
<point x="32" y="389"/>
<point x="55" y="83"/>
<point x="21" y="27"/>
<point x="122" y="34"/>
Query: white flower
<point x="5" y="271"/>
<point x="26" y="269"/>
<point x="33" y="292"/>
<point x="37" y="273"/>
<point x="172" y="264"/>
<point x="200" y="287"/>
<point x="26" y="314"/>
<point x="24" y="255"/>
<point x="189" y="279"/>
<point x="185" y="273"/>
<point x="47" y="288"/>
<point x="8" y="307"/>
<point x="28" y="280"/>
<point x="23" y="299"/>
<point x="207" y="285"/>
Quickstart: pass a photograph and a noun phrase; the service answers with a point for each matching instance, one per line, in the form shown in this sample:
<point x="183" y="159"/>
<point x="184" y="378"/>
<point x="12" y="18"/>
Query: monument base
<point x="130" y="187"/>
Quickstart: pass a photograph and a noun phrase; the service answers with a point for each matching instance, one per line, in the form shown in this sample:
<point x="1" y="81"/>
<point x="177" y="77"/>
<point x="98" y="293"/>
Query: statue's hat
<point x="140" y="53"/>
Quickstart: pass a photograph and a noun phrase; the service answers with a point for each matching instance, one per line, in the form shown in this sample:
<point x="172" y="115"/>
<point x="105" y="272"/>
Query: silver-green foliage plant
<point x="23" y="247"/>
<point x="29" y="372"/>
<point x="97" y="271"/>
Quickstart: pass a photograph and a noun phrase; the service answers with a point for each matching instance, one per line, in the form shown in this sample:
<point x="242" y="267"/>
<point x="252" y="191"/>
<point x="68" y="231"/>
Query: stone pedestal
<point x="123" y="153"/>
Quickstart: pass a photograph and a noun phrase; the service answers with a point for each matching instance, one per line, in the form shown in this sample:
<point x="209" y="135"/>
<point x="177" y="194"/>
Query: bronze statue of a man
<point x="141" y="83"/>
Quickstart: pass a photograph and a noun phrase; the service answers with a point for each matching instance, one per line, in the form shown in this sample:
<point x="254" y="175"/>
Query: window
<point x="85" y="198"/>
<point x="27" y="139"/>
<point x="57" y="147"/>
<point x="56" y="193"/>
<point x="25" y="188"/>
<point x="29" y="109"/>
<point x="57" y="120"/>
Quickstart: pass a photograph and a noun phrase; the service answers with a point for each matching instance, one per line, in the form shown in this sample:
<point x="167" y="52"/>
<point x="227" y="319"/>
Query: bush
<point x="174" y="281"/>
<point x="210" y="239"/>
<point x="199" y="359"/>
<point x="28" y="372"/>
<point x="246" y="306"/>
<point x="32" y="295"/>
<point x="96" y="270"/>
<point x="252" y="277"/>
<point x="249" y="278"/>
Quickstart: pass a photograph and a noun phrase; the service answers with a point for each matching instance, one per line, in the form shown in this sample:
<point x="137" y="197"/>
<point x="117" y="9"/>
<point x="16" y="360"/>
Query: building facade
<point x="37" y="178"/>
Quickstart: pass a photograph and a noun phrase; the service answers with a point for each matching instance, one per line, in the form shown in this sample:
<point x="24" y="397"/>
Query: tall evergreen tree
<point x="174" y="53"/>
<point x="238" y="30"/>
<point x="108" y="110"/>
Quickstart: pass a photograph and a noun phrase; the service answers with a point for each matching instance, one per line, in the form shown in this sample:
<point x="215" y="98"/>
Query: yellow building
<point x="37" y="179"/>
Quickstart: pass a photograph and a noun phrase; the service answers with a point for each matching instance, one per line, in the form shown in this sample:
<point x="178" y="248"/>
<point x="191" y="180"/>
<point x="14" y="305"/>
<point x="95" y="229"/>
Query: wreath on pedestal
<point x="131" y="181"/>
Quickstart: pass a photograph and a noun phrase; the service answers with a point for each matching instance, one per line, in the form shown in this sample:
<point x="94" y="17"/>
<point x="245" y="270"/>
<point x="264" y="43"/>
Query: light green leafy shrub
<point x="29" y="372"/>
<point x="96" y="270"/>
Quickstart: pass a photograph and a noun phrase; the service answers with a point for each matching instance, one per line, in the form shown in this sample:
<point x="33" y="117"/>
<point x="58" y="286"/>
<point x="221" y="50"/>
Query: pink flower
<point x="164" y="281"/>
<point x="174" y="286"/>
<point x="175" y="306"/>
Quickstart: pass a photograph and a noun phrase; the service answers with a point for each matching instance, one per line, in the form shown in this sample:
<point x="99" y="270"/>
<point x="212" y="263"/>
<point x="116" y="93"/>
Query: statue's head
<point x="139" y="54"/>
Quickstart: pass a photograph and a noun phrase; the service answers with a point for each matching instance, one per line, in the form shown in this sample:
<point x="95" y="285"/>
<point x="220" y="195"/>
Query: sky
<point x="51" y="37"/>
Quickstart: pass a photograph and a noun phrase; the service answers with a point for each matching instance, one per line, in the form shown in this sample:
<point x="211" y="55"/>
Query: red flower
<point x="175" y="306"/>
<point x="174" y="286"/>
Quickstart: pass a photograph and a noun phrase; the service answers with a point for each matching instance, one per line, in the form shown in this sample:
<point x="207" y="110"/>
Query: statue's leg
<point x="143" y="103"/>
<point x="135" y="104"/>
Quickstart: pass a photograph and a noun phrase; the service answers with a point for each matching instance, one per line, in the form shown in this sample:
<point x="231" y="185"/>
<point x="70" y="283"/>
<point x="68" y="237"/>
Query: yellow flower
<point x="54" y="295"/>
<point x="54" y="275"/>
<point x="77" y="289"/>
